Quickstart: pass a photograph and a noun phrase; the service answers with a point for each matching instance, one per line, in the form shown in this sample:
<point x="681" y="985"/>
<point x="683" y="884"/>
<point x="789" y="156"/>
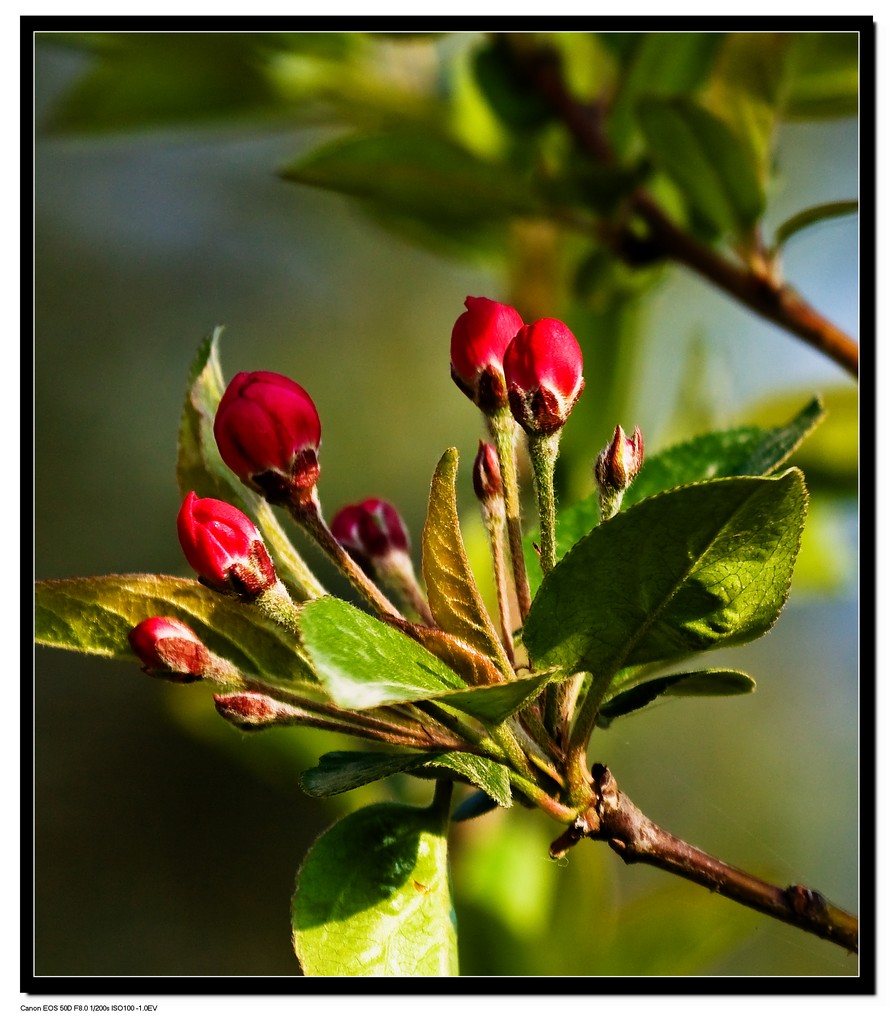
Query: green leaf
<point x="825" y="82"/>
<point x="487" y="775"/>
<point x="453" y="596"/>
<point x="742" y="451"/>
<point x="373" y="898"/>
<point x="655" y="64"/>
<point x="201" y="469"/>
<point x="713" y="168"/>
<point x="718" y="682"/>
<point x="94" y="615"/>
<point x="343" y="770"/>
<point x="748" y="85"/>
<point x="416" y="174"/>
<point x="365" y="663"/>
<point x="141" y="80"/>
<point x="703" y="566"/>
<point x="813" y="215"/>
<point x="493" y="704"/>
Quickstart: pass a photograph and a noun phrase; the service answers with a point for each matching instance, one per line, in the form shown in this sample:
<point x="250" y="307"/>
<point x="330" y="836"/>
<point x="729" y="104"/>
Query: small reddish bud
<point x="479" y="340"/>
<point x="168" y="648"/>
<point x="371" y="531"/>
<point x="617" y="464"/>
<point x="224" y="547"/>
<point x="485" y="474"/>
<point x="249" y="710"/>
<point x="268" y="432"/>
<point x="544" y="375"/>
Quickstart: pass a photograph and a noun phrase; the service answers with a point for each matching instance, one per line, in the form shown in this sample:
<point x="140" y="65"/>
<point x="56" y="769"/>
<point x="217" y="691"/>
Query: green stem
<point x="578" y="744"/>
<point x="502" y="429"/>
<point x="543" y="450"/>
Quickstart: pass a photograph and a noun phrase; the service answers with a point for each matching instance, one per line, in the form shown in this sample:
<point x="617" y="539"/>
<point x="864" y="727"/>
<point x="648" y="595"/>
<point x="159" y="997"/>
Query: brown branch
<point x="616" y="820"/>
<point x="770" y="299"/>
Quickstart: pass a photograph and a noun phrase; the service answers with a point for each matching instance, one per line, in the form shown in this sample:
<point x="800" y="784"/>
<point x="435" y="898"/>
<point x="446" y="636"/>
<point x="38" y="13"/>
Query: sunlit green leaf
<point x="700" y="567"/>
<point x="365" y="663"/>
<point x="713" y="168"/>
<point x="717" y="682"/>
<point x="455" y="602"/>
<point x="201" y="469"/>
<point x="373" y="898"/>
<point x="94" y="615"/>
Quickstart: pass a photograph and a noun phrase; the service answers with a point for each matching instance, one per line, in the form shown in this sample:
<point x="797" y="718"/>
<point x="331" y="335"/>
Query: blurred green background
<point x="166" y="841"/>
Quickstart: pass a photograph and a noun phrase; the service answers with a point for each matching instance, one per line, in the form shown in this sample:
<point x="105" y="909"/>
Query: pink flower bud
<point x="544" y="375"/>
<point x="268" y="431"/>
<point x="485" y="474"/>
<point x="168" y="648"/>
<point x="480" y="338"/>
<point x="371" y="531"/>
<point x="617" y="464"/>
<point x="224" y="547"/>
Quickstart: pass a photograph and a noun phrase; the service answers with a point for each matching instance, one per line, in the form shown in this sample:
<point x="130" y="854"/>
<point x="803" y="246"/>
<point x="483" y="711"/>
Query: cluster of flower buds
<point x="224" y="547"/>
<point x="268" y="432"/>
<point x="169" y="649"/>
<point x="497" y="359"/>
<point x="477" y="347"/>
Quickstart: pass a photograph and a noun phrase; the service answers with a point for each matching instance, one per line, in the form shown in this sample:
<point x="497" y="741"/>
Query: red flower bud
<point x="480" y="338"/>
<point x="617" y="464"/>
<point x="485" y="475"/>
<point x="544" y="375"/>
<point x="249" y="710"/>
<point x="268" y="431"/>
<point x="224" y="547"/>
<point x="168" y="648"/>
<point x="370" y="531"/>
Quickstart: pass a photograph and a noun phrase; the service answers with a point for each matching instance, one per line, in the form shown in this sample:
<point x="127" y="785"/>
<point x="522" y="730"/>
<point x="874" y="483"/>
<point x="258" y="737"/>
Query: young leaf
<point x="453" y="595"/>
<point x="703" y="566"/>
<point x="373" y="898"/>
<point x="742" y="451"/>
<point x="343" y="770"/>
<point x="813" y="215"/>
<point x="95" y="614"/>
<point x="201" y="469"/>
<point x="718" y="682"/>
<point x="715" y="171"/>
<point x="365" y="663"/>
